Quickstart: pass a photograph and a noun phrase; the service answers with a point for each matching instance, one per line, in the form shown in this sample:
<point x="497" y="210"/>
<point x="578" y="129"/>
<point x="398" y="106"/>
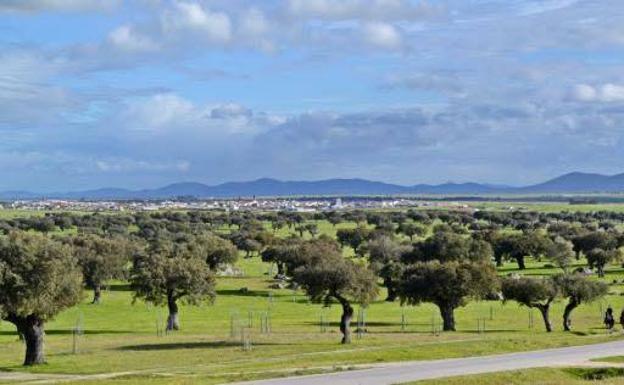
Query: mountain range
<point x="572" y="183"/>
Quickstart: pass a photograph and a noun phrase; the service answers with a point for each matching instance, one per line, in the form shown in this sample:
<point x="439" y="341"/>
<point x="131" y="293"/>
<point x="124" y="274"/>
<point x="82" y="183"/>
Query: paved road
<point x="397" y="373"/>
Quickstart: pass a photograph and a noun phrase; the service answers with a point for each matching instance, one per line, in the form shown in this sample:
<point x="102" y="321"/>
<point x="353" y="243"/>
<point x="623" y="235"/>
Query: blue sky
<point x="141" y="93"/>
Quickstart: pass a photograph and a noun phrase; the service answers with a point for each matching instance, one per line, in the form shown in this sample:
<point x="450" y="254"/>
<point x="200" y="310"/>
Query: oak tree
<point x="447" y="285"/>
<point x="169" y="273"/>
<point x="332" y="277"/>
<point x="39" y="278"/>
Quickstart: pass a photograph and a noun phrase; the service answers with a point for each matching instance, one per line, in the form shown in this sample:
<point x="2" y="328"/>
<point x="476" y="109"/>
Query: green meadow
<point x="122" y="337"/>
<point x="255" y="331"/>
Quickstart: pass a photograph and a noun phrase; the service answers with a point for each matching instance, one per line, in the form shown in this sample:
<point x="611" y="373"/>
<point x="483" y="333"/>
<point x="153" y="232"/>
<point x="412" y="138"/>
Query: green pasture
<point x="121" y="342"/>
<point x="545" y="376"/>
<point x="121" y="337"/>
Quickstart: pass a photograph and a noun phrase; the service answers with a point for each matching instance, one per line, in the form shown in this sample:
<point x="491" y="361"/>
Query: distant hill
<point x="575" y="182"/>
<point x="578" y="182"/>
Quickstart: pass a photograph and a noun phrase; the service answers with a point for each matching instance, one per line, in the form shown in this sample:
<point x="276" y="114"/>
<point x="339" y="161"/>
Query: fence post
<point x="76" y="333"/>
<point x="246" y="345"/>
<point x="403" y="321"/>
<point x="361" y="322"/>
<point x="74" y="341"/>
<point x="234" y="325"/>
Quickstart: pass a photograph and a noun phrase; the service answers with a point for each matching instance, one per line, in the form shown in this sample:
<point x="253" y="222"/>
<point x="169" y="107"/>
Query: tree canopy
<point x="170" y="272"/>
<point x="448" y="285"/>
<point x="101" y="259"/>
<point x="38" y="279"/>
<point x="536" y="293"/>
<point x="333" y="277"/>
<point x="578" y="289"/>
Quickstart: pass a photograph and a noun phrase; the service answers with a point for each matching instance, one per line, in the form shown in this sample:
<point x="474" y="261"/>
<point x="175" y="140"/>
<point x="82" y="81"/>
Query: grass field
<point x="549" y="376"/>
<point x="121" y="337"/>
<point x="120" y="342"/>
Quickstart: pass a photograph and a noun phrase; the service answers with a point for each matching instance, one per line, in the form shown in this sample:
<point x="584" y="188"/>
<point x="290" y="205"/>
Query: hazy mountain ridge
<point x="575" y="182"/>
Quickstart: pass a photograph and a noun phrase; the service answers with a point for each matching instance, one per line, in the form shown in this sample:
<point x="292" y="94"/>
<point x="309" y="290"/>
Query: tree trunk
<point x="173" y="322"/>
<point x="392" y="292"/>
<point x="521" y="264"/>
<point x="600" y="270"/>
<point x="567" y="322"/>
<point x="31" y="328"/>
<point x="345" y="320"/>
<point x="97" y="294"/>
<point x="448" y="317"/>
<point x="280" y="268"/>
<point x="499" y="260"/>
<point x="545" y="310"/>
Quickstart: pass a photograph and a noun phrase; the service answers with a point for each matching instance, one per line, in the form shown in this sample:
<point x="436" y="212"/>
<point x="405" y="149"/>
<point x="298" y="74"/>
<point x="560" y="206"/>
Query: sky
<point x="143" y="93"/>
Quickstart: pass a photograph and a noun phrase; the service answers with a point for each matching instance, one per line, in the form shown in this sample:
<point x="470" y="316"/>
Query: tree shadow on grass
<point x="354" y="324"/>
<point x="249" y="293"/>
<point x="88" y="332"/>
<point x="192" y="345"/>
<point x="473" y="331"/>
<point x="9" y="369"/>
<point x="119" y="287"/>
<point x="52" y="332"/>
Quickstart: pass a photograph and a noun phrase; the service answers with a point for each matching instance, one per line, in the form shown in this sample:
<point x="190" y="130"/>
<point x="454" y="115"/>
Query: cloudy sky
<point x="141" y="93"/>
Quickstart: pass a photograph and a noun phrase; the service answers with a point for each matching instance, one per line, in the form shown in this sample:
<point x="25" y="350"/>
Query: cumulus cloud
<point x="158" y="112"/>
<point x="167" y="114"/>
<point x="179" y="28"/>
<point x="481" y="91"/>
<point x="382" y="35"/>
<point x="606" y="93"/>
<point x="215" y="27"/>
<point x="126" y="38"/>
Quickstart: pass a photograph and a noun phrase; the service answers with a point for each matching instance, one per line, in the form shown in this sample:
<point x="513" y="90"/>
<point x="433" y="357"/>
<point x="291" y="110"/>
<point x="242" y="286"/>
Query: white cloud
<point x="612" y="92"/>
<point x="170" y="114"/>
<point x="382" y="35"/>
<point x="253" y="22"/>
<point x="584" y="92"/>
<point x="606" y="93"/>
<point x="254" y="28"/>
<point x="127" y="39"/>
<point x="212" y="26"/>
<point x="159" y="112"/>
<point x="26" y="96"/>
